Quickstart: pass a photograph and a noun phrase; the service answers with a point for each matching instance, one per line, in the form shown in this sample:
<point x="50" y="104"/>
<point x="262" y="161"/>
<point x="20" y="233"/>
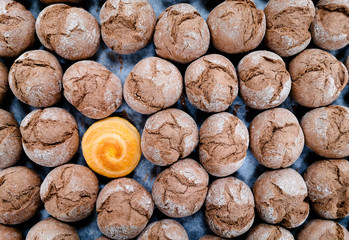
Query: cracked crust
<point x="223" y="144"/>
<point x="166" y="229"/>
<point x="328" y="187"/>
<point x="71" y="32"/>
<point x="169" y="135"/>
<point x="229" y="208"/>
<point x="269" y="232"/>
<point x="181" y="34"/>
<point x="318" y="229"/>
<point x="277" y="139"/>
<point x="264" y="81"/>
<point x="124" y="208"/>
<point x="17" y="28"/>
<point x="326" y="131"/>
<point x="10" y="140"/>
<point x="180" y="190"/>
<point x="3" y="82"/>
<point x="152" y="85"/>
<point x="10" y="233"/>
<point x="94" y="90"/>
<point x="19" y="195"/>
<point x="127" y="26"/>
<point x="211" y="83"/>
<point x="51" y="228"/>
<point x="288" y="23"/>
<point x="330" y="28"/>
<point x="236" y="26"/>
<point x="35" y="78"/>
<point x="103" y="238"/>
<point x="318" y="78"/>
<point x="69" y="192"/>
<point x="210" y="237"/>
<point x="280" y="197"/>
<point x="50" y="136"/>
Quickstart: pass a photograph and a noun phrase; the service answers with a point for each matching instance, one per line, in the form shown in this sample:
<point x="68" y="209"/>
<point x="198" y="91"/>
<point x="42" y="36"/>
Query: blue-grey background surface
<point x="146" y="172"/>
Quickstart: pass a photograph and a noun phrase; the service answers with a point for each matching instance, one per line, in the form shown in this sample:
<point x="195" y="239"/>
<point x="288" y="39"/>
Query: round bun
<point x="328" y="183"/>
<point x="181" y="34"/>
<point x="277" y="139"/>
<point x="124" y="208"/>
<point x="287" y="186"/>
<point x="288" y="23"/>
<point x="180" y="191"/>
<point x="229" y="207"/>
<point x="169" y="135"/>
<point x="264" y="80"/>
<point x="127" y="26"/>
<point x="94" y="90"/>
<point x="19" y="194"/>
<point x="211" y="83"/>
<point x="325" y="131"/>
<point x="152" y="85"/>
<point x="17" y="28"/>
<point x="223" y="144"/>
<point x="71" y="32"/>
<point x="50" y="136"/>
<point x="330" y="26"/>
<point x="35" y="78"/>
<point x="69" y="192"/>
<point x="317" y="78"/>
<point x="236" y="26"/>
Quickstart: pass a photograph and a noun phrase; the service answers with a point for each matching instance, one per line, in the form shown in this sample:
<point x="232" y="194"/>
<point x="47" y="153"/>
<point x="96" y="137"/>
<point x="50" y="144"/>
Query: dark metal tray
<point x="146" y="172"/>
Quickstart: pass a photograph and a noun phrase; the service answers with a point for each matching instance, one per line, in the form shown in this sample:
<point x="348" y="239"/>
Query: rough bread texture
<point x="324" y="230"/>
<point x="236" y="26"/>
<point x="152" y="85"/>
<point x="264" y="231"/>
<point x="318" y="78"/>
<point x="124" y="208"/>
<point x="277" y="139"/>
<point x="3" y="82"/>
<point x="180" y="190"/>
<point x="211" y="83"/>
<point x="229" y="207"/>
<point x="94" y="90"/>
<point x="35" y="78"/>
<point x="69" y="192"/>
<point x="330" y="28"/>
<point x="71" y="32"/>
<point x="223" y="144"/>
<point x="326" y="131"/>
<point x="10" y="140"/>
<point x="169" y="135"/>
<point x="288" y="23"/>
<point x="17" y="28"/>
<point x="127" y="25"/>
<point x="10" y="233"/>
<point x="19" y="194"/>
<point x="181" y="34"/>
<point x="164" y="229"/>
<point x="52" y="229"/>
<point x="264" y="80"/>
<point x="328" y="186"/>
<point x="280" y="197"/>
<point x="50" y="136"/>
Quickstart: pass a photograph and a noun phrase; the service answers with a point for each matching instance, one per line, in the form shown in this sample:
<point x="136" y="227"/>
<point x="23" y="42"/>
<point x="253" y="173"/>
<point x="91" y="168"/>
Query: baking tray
<point x="146" y="172"/>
